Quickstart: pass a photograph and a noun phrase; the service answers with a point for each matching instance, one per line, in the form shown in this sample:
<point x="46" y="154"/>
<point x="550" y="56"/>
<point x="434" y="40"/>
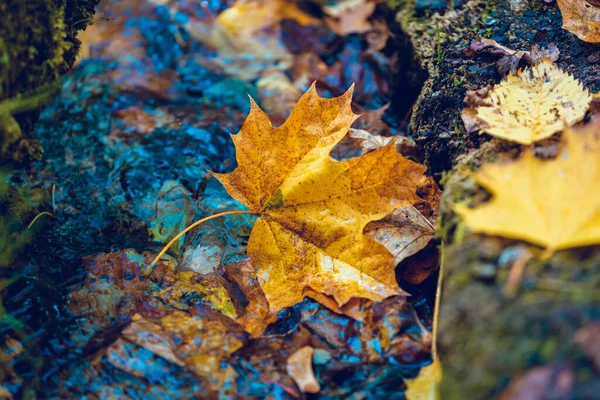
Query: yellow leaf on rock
<point x="312" y="208"/>
<point x="554" y="203"/>
<point x="533" y="104"/>
<point x="424" y="386"/>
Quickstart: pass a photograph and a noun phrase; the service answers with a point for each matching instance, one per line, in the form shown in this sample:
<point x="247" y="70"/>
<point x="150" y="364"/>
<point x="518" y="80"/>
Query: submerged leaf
<point x="312" y="208"/>
<point x="198" y="344"/>
<point x="190" y="288"/>
<point x="531" y="105"/>
<point x="555" y="203"/>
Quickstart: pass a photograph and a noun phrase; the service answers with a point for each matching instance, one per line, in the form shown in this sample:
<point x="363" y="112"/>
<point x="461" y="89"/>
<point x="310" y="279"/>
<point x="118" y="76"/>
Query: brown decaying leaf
<point x="404" y="232"/>
<point x="588" y="339"/>
<point x="150" y="336"/>
<point x="349" y="16"/>
<point x="581" y="18"/>
<point x="256" y="314"/>
<point x="474" y="99"/>
<point x="135" y="119"/>
<point x="313" y="209"/>
<point x="541" y="383"/>
<point x="299" y="367"/>
<point x="510" y="59"/>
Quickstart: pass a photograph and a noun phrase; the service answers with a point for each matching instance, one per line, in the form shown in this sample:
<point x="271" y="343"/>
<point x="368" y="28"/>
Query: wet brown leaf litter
<point x="248" y="199"/>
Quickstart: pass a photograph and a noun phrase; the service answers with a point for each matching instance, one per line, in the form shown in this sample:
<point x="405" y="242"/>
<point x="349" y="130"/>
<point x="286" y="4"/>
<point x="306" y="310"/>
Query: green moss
<point x="37" y="45"/>
<point x="17" y="210"/>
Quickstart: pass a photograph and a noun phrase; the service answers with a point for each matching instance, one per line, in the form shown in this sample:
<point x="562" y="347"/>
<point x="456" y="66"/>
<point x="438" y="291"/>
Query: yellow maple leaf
<point x="533" y="104"/>
<point x="554" y="203"/>
<point x="424" y="386"/>
<point x="312" y="208"/>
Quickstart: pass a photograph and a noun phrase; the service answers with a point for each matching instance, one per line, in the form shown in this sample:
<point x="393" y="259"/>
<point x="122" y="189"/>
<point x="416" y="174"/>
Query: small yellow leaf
<point x="533" y="104"/>
<point x="313" y="209"/>
<point x="554" y="203"/>
<point x="424" y="386"/>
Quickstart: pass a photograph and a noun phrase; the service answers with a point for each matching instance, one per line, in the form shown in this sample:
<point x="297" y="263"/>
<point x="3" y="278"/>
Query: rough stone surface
<point x="490" y="340"/>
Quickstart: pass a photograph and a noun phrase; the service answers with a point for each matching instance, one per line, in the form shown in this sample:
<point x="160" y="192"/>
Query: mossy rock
<point x="37" y="45"/>
<point x="492" y="333"/>
<point x="18" y="209"/>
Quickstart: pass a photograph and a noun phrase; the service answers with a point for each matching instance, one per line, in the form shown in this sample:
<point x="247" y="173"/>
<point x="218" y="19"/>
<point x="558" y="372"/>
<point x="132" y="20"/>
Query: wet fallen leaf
<point x="173" y="207"/>
<point x="135" y="121"/>
<point x="256" y="315"/>
<point x="312" y="208"/>
<point x="532" y="105"/>
<point x="551" y="203"/>
<point x="150" y="336"/>
<point x="190" y="287"/>
<point x="199" y="344"/>
<point x="203" y="345"/>
<point x="299" y="367"/>
<point x="424" y="386"/>
<point x="113" y="291"/>
<point x="349" y="16"/>
<point x="247" y="36"/>
<point x="581" y="18"/>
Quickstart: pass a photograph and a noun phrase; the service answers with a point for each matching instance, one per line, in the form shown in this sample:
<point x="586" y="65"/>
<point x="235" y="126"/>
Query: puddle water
<point x="144" y="115"/>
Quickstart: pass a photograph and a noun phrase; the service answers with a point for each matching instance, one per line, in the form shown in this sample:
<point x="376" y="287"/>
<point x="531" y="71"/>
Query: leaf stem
<point x="37" y="216"/>
<point x="189" y="228"/>
<point x="436" y="307"/>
